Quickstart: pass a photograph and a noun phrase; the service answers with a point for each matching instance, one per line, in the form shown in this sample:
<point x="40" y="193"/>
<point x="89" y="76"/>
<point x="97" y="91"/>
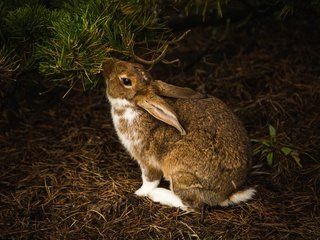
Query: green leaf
<point x="286" y="151"/>
<point x="270" y="158"/>
<point x="296" y="157"/>
<point x="266" y="143"/>
<point x="272" y="131"/>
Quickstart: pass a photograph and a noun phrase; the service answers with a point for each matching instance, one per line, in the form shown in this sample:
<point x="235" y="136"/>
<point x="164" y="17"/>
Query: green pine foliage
<point x="9" y="65"/>
<point x="26" y="26"/>
<point x="86" y="32"/>
<point x="74" y="52"/>
<point x="10" y="8"/>
<point x="68" y="41"/>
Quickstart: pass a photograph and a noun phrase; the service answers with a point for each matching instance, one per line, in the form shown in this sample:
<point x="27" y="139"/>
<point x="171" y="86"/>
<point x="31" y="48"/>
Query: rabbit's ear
<point x="168" y="90"/>
<point x="107" y="67"/>
<point x="161" y="110"/>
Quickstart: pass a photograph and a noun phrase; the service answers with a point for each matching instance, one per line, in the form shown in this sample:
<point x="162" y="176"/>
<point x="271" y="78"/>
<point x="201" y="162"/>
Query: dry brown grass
<point x="64" y="174"/>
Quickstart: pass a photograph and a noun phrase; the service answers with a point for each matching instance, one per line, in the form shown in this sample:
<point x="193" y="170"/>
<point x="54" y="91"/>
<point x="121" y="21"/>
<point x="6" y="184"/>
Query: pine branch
<point x="25" y="27"/>
<point x="83" y="32"/>
<point x="75" y="52"/>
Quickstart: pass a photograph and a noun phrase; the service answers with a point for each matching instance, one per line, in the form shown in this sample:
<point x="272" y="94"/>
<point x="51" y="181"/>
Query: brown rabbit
<point x="195" y="142"/>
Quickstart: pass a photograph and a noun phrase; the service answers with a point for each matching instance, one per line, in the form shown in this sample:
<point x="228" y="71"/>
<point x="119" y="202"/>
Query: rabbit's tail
<point x="238" y="197"/>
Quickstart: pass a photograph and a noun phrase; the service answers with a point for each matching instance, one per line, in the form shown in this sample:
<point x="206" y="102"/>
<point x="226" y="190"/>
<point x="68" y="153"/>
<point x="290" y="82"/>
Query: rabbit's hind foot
<point x="166" y="197"/>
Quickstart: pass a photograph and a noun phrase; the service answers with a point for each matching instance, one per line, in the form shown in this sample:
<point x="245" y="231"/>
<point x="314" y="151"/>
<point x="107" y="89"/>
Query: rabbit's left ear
<point x="168" y="90"/>
<point x="161" y="110"/>
<point x="107" y="67"/>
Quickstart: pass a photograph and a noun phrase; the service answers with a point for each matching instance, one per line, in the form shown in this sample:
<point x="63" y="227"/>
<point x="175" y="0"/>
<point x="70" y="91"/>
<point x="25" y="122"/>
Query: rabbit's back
<point x="214" y="154"/>
<point x="209" y="120"/>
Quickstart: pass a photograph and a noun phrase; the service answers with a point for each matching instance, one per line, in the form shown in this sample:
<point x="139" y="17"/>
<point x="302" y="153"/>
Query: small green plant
<point x="269" y="147"/>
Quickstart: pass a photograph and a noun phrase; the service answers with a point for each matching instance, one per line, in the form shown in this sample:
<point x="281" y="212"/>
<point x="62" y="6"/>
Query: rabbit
<point x="193" y="141"/>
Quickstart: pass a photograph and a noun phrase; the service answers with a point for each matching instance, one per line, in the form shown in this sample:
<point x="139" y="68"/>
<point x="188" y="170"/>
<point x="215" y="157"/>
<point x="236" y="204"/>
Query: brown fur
<point x="206" y="165"/>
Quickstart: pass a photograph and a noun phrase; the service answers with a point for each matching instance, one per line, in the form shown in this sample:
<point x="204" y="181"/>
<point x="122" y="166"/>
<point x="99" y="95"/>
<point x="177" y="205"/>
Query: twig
<point x="162" y="54"/>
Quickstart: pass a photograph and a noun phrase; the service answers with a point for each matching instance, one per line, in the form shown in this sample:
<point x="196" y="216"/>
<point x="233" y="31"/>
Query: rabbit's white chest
<point x="124" y="118"/>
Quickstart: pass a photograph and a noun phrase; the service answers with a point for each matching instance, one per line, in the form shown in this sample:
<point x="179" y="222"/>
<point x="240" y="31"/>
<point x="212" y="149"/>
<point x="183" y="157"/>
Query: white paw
<point x="166" y="197"/>
<point x="146" y="188"/>
<point x="142" y="192"/>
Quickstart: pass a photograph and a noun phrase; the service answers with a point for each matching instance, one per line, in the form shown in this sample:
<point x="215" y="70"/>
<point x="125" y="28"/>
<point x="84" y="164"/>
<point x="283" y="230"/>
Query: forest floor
<point x="64" y="174"/>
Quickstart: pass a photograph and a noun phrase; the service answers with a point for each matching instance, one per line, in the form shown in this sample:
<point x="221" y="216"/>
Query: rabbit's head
<point x="131" y="82"/>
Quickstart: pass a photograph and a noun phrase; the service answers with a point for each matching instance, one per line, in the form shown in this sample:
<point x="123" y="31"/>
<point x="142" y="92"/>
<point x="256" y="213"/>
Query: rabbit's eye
<point x="126" y="81"/>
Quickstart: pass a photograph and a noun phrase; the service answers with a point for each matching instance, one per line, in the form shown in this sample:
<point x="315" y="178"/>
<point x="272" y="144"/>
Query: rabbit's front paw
<point x="142" y="192"/>
<point x="166" y="197"/>
<point x="146" y="188"/>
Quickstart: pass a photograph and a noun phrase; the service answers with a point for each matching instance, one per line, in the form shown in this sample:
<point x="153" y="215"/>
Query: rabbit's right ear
<point x="161" y="110"/>
<point x="168" y="90"/>
<point x="107" y="67"/>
